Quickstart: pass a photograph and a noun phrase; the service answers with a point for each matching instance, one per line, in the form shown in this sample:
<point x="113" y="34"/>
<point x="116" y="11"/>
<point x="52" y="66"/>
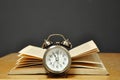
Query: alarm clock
<point x="57" y="59"/>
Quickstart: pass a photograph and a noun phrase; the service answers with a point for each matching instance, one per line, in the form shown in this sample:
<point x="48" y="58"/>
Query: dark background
<point x="24" y="22"/>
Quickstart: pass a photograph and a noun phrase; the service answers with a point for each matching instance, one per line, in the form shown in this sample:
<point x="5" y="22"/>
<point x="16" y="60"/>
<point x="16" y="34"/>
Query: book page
<point x="32" y="51"/>
<point x="89" y="61"/>
<point x="81" y="65"/>
<point x="39" y="69"/>
<point x="84" y="49"/>
<point x="85" y="65"/>
<point x="81" y="50"/>
<point x="28" y="70"/>
<point x="93" y="58"/>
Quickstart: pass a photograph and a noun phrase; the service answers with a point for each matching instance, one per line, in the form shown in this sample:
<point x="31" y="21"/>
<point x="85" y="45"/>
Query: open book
<point x="85" y="60"/>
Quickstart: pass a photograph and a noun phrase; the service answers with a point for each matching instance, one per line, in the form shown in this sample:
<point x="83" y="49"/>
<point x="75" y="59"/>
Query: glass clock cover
<point x="57" y="59"/>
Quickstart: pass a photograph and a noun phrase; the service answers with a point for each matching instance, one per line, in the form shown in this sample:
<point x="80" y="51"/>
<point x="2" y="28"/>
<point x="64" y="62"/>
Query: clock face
<point x="57" y="59"/>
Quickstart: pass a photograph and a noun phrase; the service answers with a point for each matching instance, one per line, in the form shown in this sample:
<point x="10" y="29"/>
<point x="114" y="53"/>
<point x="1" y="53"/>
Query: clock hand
<point x="54" y="54"/>
<point x="57" y="52"/>
<point x="56" y="57"/>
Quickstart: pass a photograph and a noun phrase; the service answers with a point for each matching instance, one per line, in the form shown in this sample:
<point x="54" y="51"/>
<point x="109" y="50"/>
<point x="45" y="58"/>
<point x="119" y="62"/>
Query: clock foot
<point x="62" y="75"/>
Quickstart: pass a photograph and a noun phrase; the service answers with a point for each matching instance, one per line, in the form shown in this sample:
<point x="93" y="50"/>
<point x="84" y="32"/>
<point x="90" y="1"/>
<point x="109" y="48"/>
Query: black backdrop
<point x="24" y="22"/>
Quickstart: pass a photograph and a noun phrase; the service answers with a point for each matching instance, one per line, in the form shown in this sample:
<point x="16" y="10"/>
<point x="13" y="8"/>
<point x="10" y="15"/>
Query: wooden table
<point x="110" y="60"/>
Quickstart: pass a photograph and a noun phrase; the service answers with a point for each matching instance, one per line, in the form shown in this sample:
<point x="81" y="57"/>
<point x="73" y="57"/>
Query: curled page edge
<point x="32" y="51"/>
<point x="82" y="50"/>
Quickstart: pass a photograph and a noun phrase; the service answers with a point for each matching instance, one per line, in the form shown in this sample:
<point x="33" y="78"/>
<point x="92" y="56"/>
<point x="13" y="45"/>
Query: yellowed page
<point x="84" y="49"/>
<point x="32" y="51"/>
<point x="81" y="50"/>
<point x="41" y="70"/>
<point x="93" y="58"/>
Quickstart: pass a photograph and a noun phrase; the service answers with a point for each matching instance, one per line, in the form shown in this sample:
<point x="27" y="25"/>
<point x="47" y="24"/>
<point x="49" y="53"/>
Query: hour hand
<point x="54" y="55"/>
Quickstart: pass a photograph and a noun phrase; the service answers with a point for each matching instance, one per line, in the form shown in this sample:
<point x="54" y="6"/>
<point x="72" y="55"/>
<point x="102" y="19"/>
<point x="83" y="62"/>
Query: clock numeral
<point x="65" y="59"/>
<point x="50" y="56"/>
<point x="63" y="55"/>
<point x="50" y="63"/>
<point x="49" y="59"/>
<point x="63" y="62"/>
<point x="60" y="65"/>
<point x="56" y="66"/>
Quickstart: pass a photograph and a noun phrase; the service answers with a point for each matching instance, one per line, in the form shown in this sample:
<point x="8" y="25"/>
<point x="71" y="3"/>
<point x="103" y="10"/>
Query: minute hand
<point x="54" y="54"/>
<point x="57" y="52"/>
<point x="56" y="58"/>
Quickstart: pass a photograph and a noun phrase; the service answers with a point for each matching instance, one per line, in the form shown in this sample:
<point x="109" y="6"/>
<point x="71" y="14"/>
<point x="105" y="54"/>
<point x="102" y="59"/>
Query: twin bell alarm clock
<point x="57" y="59"/>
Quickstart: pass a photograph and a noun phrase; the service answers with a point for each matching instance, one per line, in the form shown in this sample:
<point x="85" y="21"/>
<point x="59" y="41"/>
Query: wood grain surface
<point x="110" y="60"/>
